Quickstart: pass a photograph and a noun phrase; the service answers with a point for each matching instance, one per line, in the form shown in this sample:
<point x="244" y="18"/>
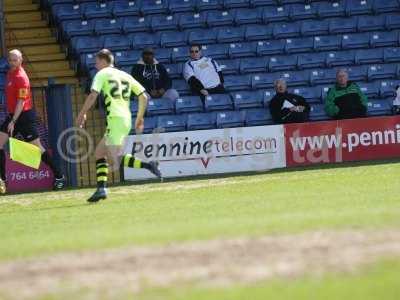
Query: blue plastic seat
<point x="393" y="21"/>
<point x="331" y="9"/>
<point x="370" y="89"/>
<point x="209" y="5"/>
<point x="219" y="18"/>
<point x="267" y="96"/>
<point x="276" y="14"/>
<point x="236" y="4"/>
<point x="117" y="42"/>
<point x="163" y="55"/>
<point x="108" y="26"/>
<point x="311" y="94"/>
<point x="298" y="45"/>
<point x="369" y="56"/>
<point x="230" y="119"/>
<point x="311" y="60"/>
<point x="358" y="7"/>
<point x="303" y="11"/>
<point x="286" y="30"/>
<point x="78" y="28"/>
<point x="263" y="80"/>
<point x="171" y="123"/>
<point x="340" y="58"/>
<point x="312" y="27"/>
<point x="143" y="40"/>
<point x="386" y="6"/>
<point x="65" y="12"/>
<point x="343" y="25"/>
<point x="127" y="58"/>
<point x="161" y="106"/>
<point x="181" y="86"/>
<point x="237" y="50"/>
<point x="180" y="54"/>
<point x="358" y="73"/>
<point x="255" y="32"/>
<point x="88" y="61"/>
<point x="93" y="10"/>
<point x="355" y="40"/>
<point x="174" y="70"/>
<point x="327" y="43"/>
<point x="179" y="6"/>
<point x="218" y="102"/>
<point x="248" y="16"/>
<point x="386" y="71"/>
<point x="126" y="8"/>
<point x="216" y="51"/>
<point x="86" y="44"/>
<point x="150" y="7"/>
<point x="231" y="34"/>
<point x="317" y="113"/>
<point x="192" y="20"/>
<point x="322" y="76"/>
<point x="270" y="47"/>
<point x="172" y="39"/>
<point x="247" y="99"/>
<point x="258" y="117"/>
<point x="188" y="104"/>
<point x="295" y="78"/>
<point x="162" y="22"/>
<point x="202" y="36"/>
<point x="384" y="39"/>
<point x="135" y="24"/>
<point x="257" y="3"/>
<point x="282" y="63"/>
<point x="4" y="67"/>
<point x="391" y="55"/>
<point x="379" y="108"/>
<point x="371" y="23"/>
<point x="387" y="88"/>
<point x="201" y="121"/>
<point x="150" y="123"/>
<point x="229" y="66"/>
<point x="253" y="65"/>
<point x="237" y="82"/>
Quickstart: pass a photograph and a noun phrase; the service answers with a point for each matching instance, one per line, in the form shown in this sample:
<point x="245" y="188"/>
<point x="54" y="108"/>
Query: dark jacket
<point x="152" y="77"/>
<point x="284" y="115"/>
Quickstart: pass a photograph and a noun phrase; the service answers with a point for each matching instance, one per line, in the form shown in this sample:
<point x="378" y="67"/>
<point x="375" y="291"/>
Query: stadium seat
<point x="312" y="27"/>
<point x="384" y="39"/>
<point x="370" y="89"/>
<point x="253" y="65"/>
<point x="298" y="45"/>
<point x="327" y="43"/>
<point x="143" y="40"/>
<point x="162" y="22"/>
<point x="286" y="30"/>
<point x="358" y="7"/>
<point x="370" y="23"/>
<point x="369" y="56"/>
<point x="386" y="6"/>
<point x="331" y="9"/>
<point x="379" y="108"/>
<point x="386" y="71"/>
<point x="163" y="55"/>
<point x="270" y="47"/>
<point x="149" y="7"/>
<point x="358" y="73"/>
<point x="248" y="16"/>
<point x="343" y="25"/>
<point x="237" y="82"/>
<point x="150" y="123"/>
<point x="65" y="12"/>
<point x="124" y="8"/>
<point x="201" y="121"/>
<point x="263" y="80"/>
<point x="171" y="123"/>
<point x="93" y="10"/>
<point x="393" y="21"/>
<point x="229" y="4"/>
<point x="257" y="32"/>
<point x="387" y="88"/>
<point x="391" y="55"/>
<point x="218" y="102"/>
<point x="86" y="44"/>
<point x="229" y="66"/>
<point x="78" y="28"/>
<point x="219" y="18"/>
<point x="179" y="6"/>
<point x="282" y="63"/>
<point x="116" y="42"/>
<point x="181" y="86"/>
<point x="172" y="39"/>
<point x="267" y="96"/>
<point x="230" y="34"/>
<point x="180" y="54"/>
<point x="134" y="106"/>
<point x="303" y="11"/>
<point x="317" y="113"/>
<point x="311" y="94"/>
<point x="247" y="99"/>
<point x="258" y="117"/>
<point x="340" y="58"/>
<point x="237" y="50"/>
<point x="257" y="3"/>
<point x="202" y="36"/>
<point x="4" y="65"/>
<point x="355" y="40"/>
<point x="188" y="104"/>
<point x="108" y="26"/>
<point x="295" y="78"/>
<point x="209" y="5"/>
<point x="230" y="119"/>
<point x="160" y="106"/>
<point x="322" y="76"/>
<point x="311" y="60"/>
<point x="276" y="14"/>
<point x="174" y="70"/>
<point x="127" y="58"/>
<point x="324" y="90"/>
<point x="216" y="51"/>
<point x="192" y="20"/>
<point x="135" y="24"/>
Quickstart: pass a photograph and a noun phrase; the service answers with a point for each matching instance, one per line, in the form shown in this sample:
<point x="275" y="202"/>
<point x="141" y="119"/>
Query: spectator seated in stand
<point x="286" y="107"/>
<point x="345" y="100"/>
<point x="396" y="102"/>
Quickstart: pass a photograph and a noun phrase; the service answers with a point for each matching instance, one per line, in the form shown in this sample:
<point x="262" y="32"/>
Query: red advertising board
<point x="344" y="140"/>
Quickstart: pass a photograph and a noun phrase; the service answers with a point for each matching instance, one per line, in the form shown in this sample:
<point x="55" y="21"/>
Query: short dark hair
<point x="106" y="55"/>
<point x="195" y="45"/>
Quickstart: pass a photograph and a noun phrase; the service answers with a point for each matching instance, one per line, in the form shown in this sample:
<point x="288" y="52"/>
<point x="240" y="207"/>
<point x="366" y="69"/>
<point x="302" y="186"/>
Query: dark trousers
<point x="219" y="89"/>
<point x="356" y="112"/>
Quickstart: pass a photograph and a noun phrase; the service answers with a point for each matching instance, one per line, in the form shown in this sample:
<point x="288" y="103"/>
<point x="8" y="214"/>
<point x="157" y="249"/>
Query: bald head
<point x="15" y="58"/>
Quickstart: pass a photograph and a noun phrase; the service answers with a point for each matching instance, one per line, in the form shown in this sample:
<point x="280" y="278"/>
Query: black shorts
<point x="25" y="125"/>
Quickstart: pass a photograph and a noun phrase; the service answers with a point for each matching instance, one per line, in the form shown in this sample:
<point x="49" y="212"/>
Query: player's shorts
<point x="25" y="125"/>
<point x="117" y="130"/>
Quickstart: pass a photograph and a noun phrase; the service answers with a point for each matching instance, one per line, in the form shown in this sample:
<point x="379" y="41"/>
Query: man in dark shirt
<point x="286" y="107"/>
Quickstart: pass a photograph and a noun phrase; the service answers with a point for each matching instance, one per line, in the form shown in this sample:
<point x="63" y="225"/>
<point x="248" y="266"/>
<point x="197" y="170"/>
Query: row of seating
<point x="298" y="11"/>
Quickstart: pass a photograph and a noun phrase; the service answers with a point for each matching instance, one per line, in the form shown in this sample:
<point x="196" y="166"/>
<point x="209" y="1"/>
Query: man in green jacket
<point x="345" y="100"/>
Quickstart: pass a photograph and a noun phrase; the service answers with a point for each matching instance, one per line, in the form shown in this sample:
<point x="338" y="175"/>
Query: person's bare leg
<point x="3" y="140"/>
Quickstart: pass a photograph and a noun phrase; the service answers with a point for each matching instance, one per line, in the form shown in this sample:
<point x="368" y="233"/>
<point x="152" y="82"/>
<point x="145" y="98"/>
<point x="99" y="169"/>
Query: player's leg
<point x="101" y="172"/>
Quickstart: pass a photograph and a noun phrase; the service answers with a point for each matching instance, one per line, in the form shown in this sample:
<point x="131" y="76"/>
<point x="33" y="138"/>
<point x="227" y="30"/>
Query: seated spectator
<point x="396" y="102"/>
<point x="345" y="100"/>
<point x="286" y="107"/>
<point x="153" y="76"/>
<point x="203" y="74"/>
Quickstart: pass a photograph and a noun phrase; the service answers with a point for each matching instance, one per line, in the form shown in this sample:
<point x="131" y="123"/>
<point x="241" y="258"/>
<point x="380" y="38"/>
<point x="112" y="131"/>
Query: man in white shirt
<point x="203" y="74"/>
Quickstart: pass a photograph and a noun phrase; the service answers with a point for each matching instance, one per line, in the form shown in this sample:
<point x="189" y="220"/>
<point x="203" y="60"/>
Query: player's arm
<point x="89" y="102"/>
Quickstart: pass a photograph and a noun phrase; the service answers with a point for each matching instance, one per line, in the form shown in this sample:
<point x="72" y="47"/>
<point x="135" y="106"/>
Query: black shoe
<point x="59" y="183"/>
<point x="98" y="195"/>
<point x="155" y="169"/>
